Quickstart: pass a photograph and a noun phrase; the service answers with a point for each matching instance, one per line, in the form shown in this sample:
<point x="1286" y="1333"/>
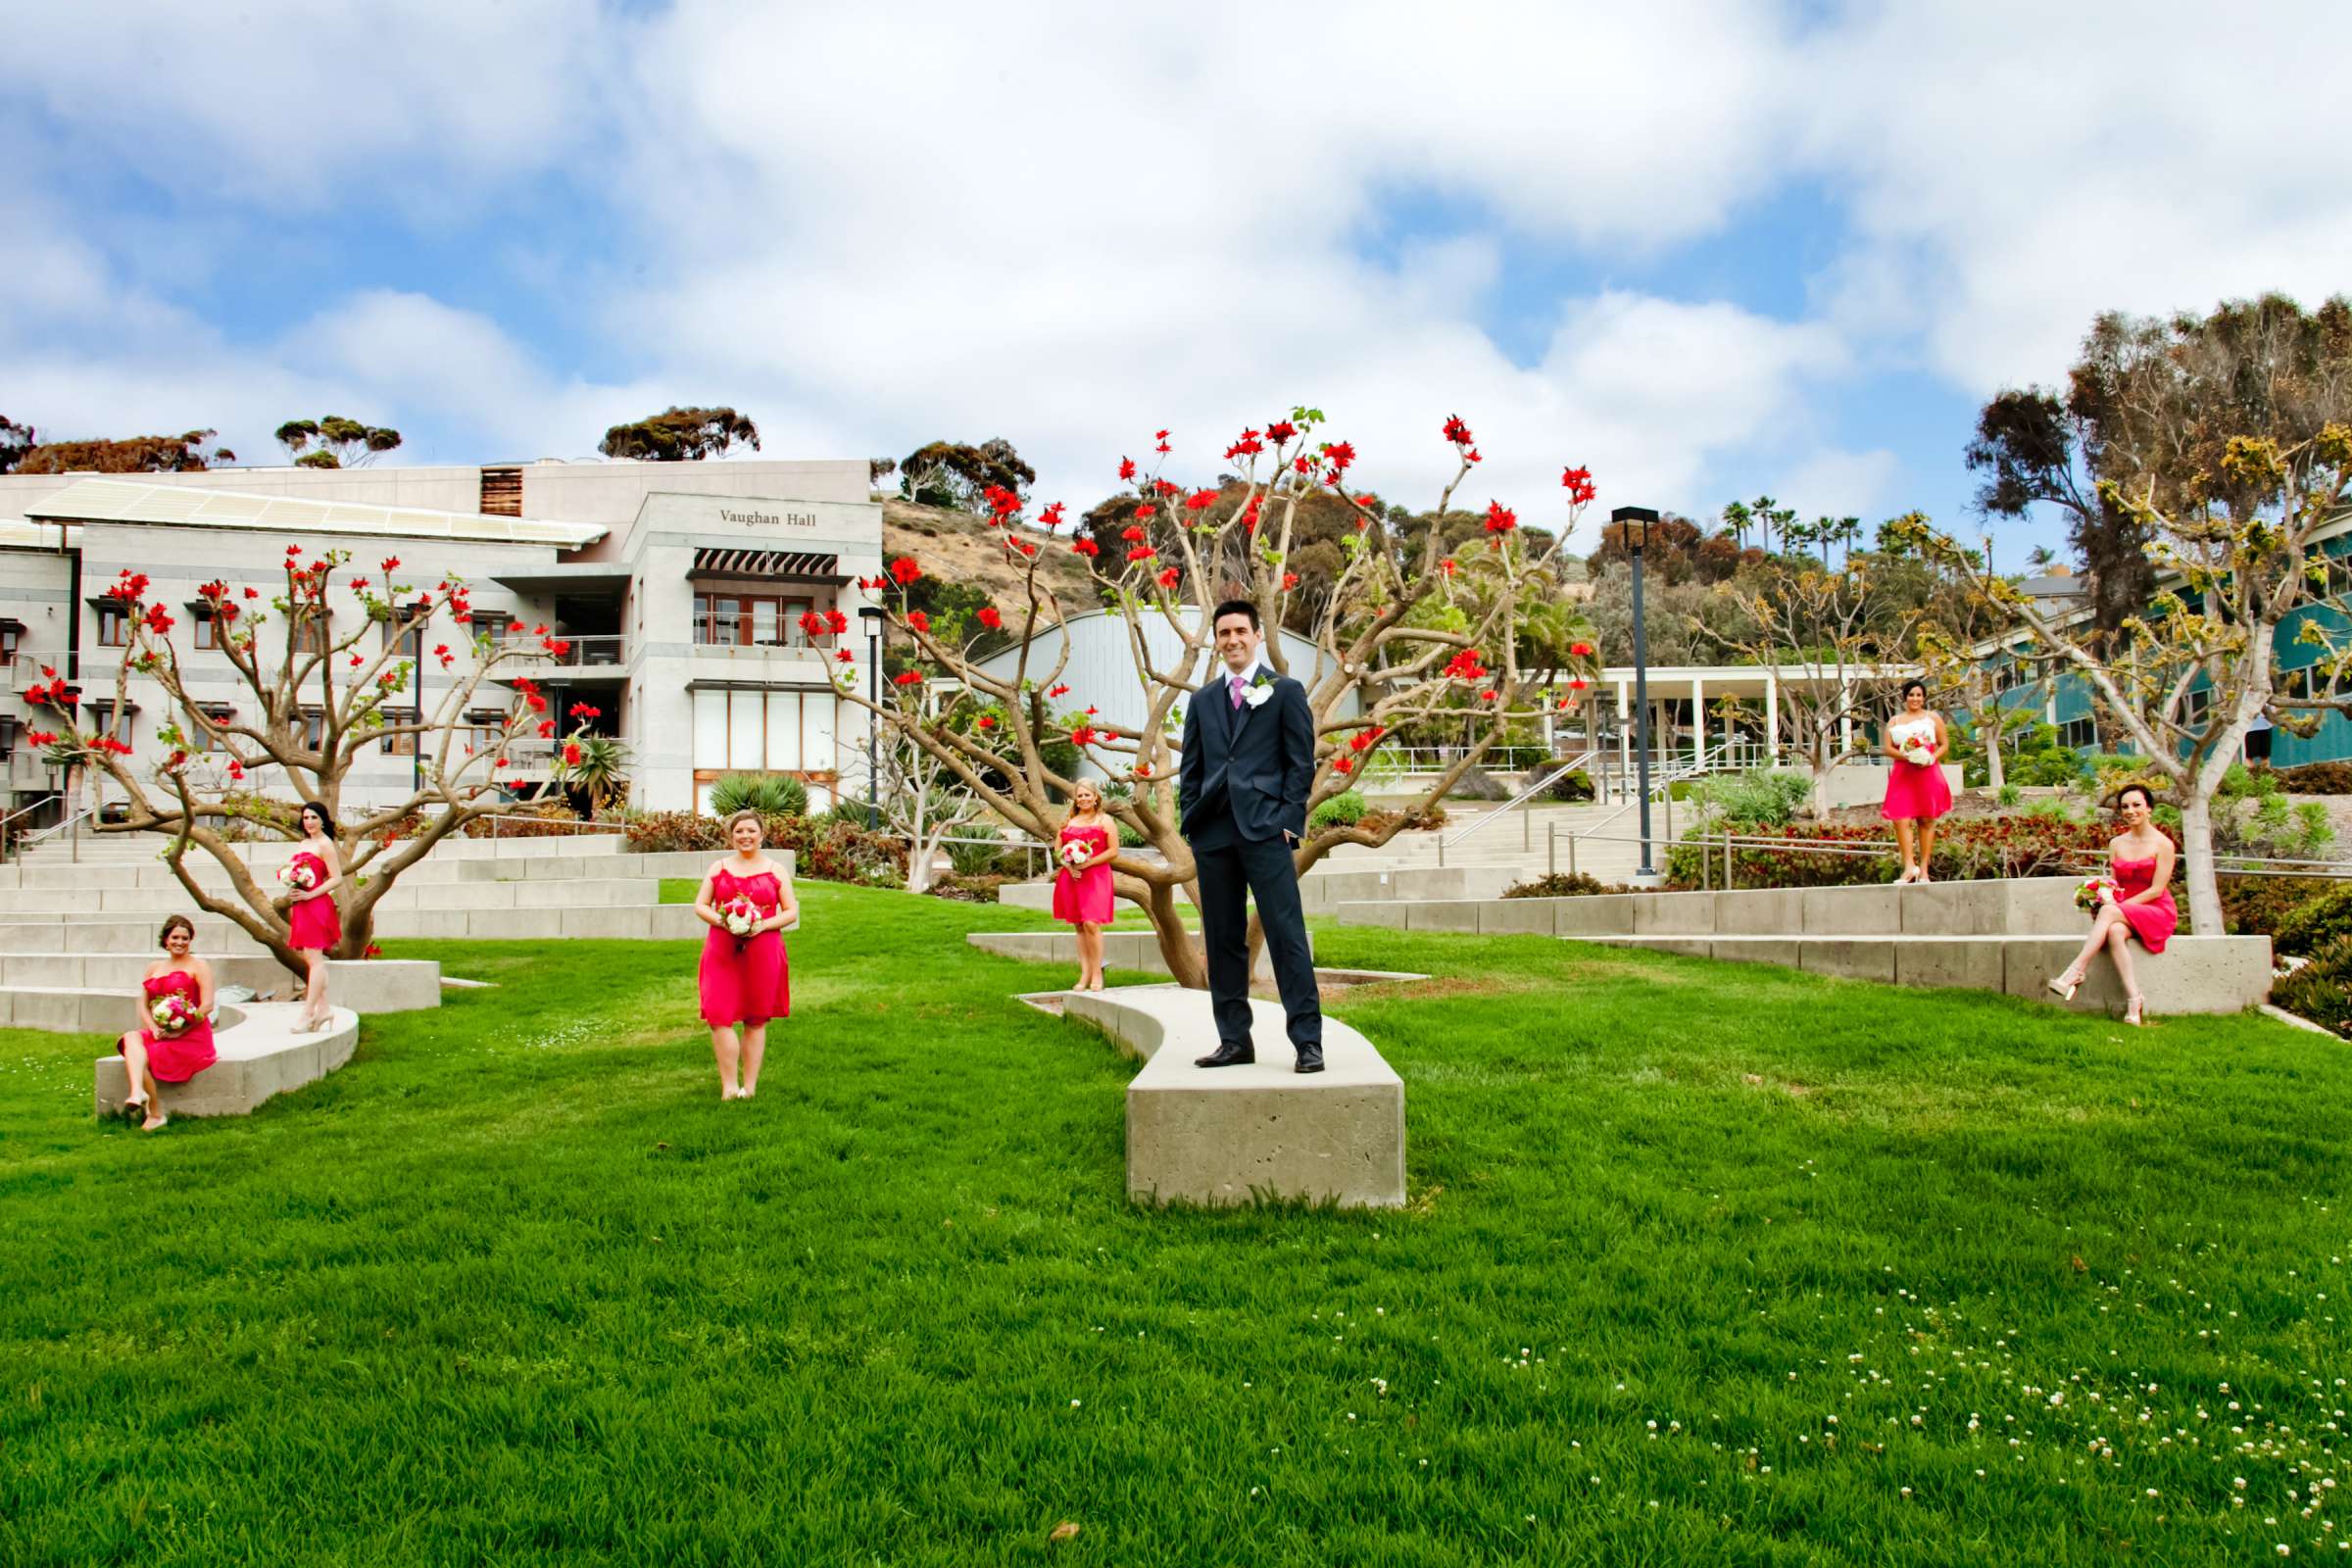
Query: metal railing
<point x="1662" y="785"/>
<point x="70" y="826"/>
<point x="26" y="810"/>
<point x="1516" y="803"/>
<point x="592" y="650"/>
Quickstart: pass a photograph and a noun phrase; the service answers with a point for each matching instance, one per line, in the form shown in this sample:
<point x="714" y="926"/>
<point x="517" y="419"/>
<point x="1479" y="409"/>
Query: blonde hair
<point x="1089" y="789"/>
<point x="745" y="816"/>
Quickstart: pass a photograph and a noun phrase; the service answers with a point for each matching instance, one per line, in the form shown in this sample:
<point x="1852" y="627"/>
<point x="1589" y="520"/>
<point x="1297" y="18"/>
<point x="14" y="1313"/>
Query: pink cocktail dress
<point x="1083" y="898"/>
<point x="316" y="925"/>
<point x="1914" y="790"/>
<point x="2154" y="921"/>
<point x="176" y="1058"/>
<point x="746" y="979"/>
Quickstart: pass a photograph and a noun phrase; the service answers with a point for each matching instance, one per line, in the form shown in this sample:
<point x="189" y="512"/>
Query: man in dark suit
<point x="1248" y="762"/>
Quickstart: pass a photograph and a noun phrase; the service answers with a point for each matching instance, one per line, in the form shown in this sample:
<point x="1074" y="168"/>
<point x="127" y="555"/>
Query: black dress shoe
<point x="1310" y="1058"/>
<point x="1228" y="1055"/>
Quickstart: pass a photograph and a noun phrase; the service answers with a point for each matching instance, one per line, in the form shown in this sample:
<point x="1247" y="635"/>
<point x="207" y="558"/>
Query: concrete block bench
<point x="260" y="1056"/>
<point x="1233" y="1135"/>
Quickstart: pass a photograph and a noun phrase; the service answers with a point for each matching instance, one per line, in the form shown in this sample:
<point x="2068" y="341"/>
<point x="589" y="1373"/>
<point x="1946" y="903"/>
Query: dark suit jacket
<point x="1260" y="760"/>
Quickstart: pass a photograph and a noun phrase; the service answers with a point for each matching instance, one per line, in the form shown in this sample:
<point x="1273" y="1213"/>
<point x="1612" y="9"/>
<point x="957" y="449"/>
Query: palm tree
<point x="2041" y="557"/>
<point x="1736" y="521"/>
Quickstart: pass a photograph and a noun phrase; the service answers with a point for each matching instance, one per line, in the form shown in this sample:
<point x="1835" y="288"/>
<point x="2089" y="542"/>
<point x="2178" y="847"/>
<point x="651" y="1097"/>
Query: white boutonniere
<point x="1260" y="689"/>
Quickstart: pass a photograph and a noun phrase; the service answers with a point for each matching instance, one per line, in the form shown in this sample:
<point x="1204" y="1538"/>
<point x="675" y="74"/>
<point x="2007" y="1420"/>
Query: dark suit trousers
<point x="1232" y="869"/>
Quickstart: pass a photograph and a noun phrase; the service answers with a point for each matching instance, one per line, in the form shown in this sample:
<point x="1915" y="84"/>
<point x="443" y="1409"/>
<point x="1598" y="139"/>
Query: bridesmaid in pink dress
<point x="149" y="1055"/>
<point x="1082" y="887"/>
<point x="1916" y="791"/>
<point x="746" y="980"/>
<point x="317" y="927"/>
<point x="2141" y="859"/>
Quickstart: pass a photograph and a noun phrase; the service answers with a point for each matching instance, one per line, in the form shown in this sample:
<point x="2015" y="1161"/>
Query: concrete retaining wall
<point x="260" y="1056"/>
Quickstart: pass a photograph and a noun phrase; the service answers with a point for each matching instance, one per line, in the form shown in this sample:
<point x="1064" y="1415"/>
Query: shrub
<point x="966" y="889"/>
<point x="2010" y="794"/>
<point x="2322" y="990"/>
<point x="2254" y="905"/>
<point x="768" y="794"/>
<point x="824" y="850"/>
<point x="546" y="820"/>
<point x="1563" y="884"/>
<point x="1477" y="784"/>
<point x="973" y="855"/>
<point x="1343" y="810"/>
<point x="2053" y="765"/>
<point x="1572" y="786"/>
<point x="2318" y="778"/>
<point x="1759" y="795"/>
<point x="2314" y="923"/>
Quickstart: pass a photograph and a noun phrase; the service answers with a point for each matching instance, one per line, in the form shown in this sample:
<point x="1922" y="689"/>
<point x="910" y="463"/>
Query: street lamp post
<point x="1637" y="521"/>
<point x="871" y="618"/>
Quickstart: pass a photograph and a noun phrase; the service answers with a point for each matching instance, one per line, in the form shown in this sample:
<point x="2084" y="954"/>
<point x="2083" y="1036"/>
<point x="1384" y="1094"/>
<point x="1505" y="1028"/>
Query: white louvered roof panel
<point x="131" y="500"/>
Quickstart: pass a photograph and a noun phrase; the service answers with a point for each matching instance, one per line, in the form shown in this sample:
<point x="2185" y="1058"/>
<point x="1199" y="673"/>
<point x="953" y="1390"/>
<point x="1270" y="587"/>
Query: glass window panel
<point x="816" y="731"/>
<point x="709" y="729"/>
<point x="794" y="610"/>
<point x="783" y="732"/>
<point x="763" y="623"/>
<point x="744" y="744"/>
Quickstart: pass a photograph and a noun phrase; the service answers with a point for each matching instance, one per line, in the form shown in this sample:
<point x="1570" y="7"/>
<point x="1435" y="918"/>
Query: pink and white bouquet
<point x="740" y="915"/>
<point x="297" y="876"/>
<point x="2093" y="891"/>
<point x="1918" y="752"/>
<point x="1075" y="853"/>
<point x="172" y="1014"/>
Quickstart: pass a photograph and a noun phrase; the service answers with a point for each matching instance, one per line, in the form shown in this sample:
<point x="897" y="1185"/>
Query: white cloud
<point x="1842" y="484"/>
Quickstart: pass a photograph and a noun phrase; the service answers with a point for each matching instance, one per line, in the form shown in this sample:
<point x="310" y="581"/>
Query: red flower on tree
<point x="1083" y="546"/>
<point x="1455" y="432"/>
<point x="584" y="713"/>
<point x="1281" y="430"/>
<point x="909" y="677"/>
<point x="1580" y="649"/>
<point x="991" y="617"/>
<point x="1500" y="519"/>
<point x="1051" y="515"/>
<point x="836" y="622"/>
<point x="1290" y="580"/>
<point x="1342" y="765"/>
<point x="1126" y="469"/>
<point x="1141" y="554"/>
<point x="1200" y="501"/>
<point x="1579" y="484"/>
<point x="905" y="572"/>
<point x="1131" y="535"/>
<point x="1170" y="578"/>
<point x="918" y="621"/>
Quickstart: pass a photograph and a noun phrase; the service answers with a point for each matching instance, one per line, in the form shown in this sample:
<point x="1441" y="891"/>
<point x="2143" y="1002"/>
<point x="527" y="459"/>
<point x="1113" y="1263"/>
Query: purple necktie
<point x="1236" y="682"/>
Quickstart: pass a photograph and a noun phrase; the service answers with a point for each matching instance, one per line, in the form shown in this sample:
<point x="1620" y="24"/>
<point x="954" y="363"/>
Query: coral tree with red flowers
<point x="322" y="685"/>
<point x="1407" y="634"/>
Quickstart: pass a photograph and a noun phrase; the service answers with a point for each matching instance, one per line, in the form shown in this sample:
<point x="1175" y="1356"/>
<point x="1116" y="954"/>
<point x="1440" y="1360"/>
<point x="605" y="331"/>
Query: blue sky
<point x="1710" y="249"/>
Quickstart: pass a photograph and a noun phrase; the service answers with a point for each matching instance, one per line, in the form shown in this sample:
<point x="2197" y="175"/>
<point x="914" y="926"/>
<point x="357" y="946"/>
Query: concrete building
<point x="678" y="586"/>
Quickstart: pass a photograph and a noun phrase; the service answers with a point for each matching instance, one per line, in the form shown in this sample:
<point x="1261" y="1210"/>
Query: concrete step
<point x="151" y="872"/>
<point x="554" y="893"/>
<point x="260" y="1056"/>
<point x="363" y="985"/>
<point x="215" y="938"/>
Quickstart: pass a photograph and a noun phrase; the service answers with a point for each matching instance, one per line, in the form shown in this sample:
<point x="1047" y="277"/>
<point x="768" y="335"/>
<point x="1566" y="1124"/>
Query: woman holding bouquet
<point x="746" y="899"/>
<point x="2136" y="904"/>
<point x="314" y="874"/>
<point x="176" y="997"/>
<point x="1915" y="741"/>
<point x="1081" y="887"/>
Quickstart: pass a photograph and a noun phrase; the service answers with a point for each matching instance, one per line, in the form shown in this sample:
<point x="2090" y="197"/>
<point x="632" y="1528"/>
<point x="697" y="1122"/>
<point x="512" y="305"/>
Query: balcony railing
<point x="597" y="650"/>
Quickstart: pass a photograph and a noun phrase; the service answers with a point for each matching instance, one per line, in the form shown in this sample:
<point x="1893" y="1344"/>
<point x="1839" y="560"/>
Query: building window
<point x="398" y="745"/>
<point x="750" y="621"/>
<point x="114" y="622"/>
<point x="7" y="736"/>
<point x="201" y="739"/>
<point x="763" y="731"/>
<point x="207" y="630"/>
<point x="2079" y="733"/>
<point x="309" y="635"/>
<point x="11" y="636"/>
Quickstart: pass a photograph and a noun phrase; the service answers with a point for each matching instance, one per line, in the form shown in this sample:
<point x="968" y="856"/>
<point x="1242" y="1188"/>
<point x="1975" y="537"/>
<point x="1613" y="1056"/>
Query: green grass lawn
<point x="1702" y="1264"/>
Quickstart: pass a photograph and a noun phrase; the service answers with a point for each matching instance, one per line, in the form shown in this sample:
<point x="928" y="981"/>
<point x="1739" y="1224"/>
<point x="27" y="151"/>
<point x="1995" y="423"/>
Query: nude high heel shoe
<point x="2065" y="984"/>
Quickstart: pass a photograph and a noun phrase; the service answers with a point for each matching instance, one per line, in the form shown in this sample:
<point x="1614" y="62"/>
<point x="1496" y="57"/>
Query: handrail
<point x="24" y="810"/>
<point x="1513" y="804"/>
<point x="1689" y="770"/>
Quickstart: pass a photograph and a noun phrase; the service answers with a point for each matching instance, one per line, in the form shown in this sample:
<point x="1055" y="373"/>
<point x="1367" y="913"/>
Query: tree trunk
<point x="1177" y="948"/>
<point x="1989" y="729"/>
<point x="2196" y="856"/>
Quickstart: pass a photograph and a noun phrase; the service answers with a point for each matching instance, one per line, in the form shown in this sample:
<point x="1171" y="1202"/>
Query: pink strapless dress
<point x="176" y="1058"/>
<point x="316" y="925"/>
<point x="2154" y="921"/>
<point x="1915" y="791"/>
<point x="746" y="979"/>
<point x="1083" y="898"/>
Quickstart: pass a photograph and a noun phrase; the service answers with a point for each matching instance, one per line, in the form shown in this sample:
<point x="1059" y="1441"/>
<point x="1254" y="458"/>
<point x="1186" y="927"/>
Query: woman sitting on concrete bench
<point x="175" y="996"/>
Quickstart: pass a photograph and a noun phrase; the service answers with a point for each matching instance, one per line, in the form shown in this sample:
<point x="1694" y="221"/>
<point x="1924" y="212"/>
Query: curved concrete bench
<point x="260" y="1056"/>
<point x="1234" y="1135"/>
<point x="1137" y="950"/>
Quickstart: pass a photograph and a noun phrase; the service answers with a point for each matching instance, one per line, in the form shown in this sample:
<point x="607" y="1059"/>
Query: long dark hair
<point x="326" y="822"/>
<point x="1910" y="686"/>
